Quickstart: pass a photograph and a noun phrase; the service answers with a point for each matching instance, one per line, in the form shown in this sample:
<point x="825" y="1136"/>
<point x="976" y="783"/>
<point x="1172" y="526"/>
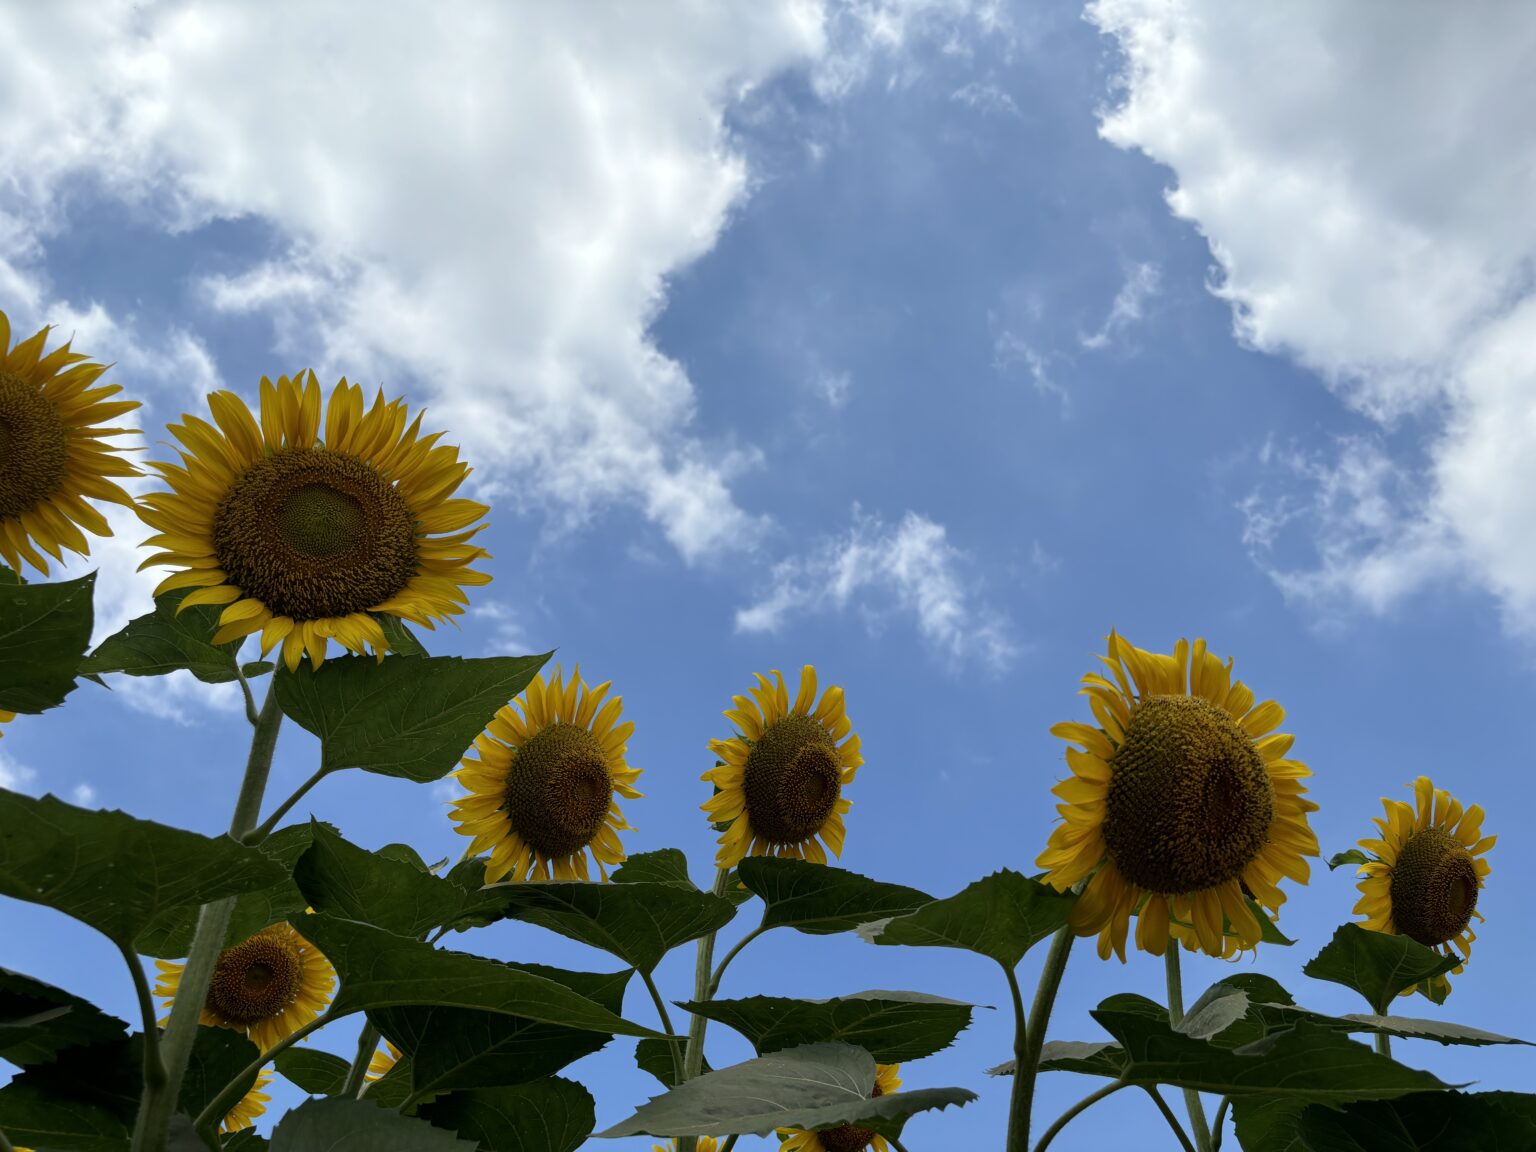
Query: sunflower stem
<point x="1173" y="1121"/>
<point x="703" y="965"/>
<point x="154" y="1067"/>
<point x="896" y="1144"/>
<point x="1029" y="1036"/>
<point x="367" y="1045"/>
<point x="264" y="829"/>
<point x="1384" y="1044"/>
<point x="1220" y="1123"/>
<point x="157" y="1106"/>
<point x="1077" y="1109"/>
<point x="230" y="1094"/>
<point x="1192" y="1102"/>
<point x="676" y="1041"/>
<point x="730" y="1142"/>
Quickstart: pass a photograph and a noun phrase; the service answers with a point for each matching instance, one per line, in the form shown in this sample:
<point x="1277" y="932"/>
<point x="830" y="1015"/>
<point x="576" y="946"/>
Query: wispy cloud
<point x="1009" y="350"/>
<point x="1142" y="282"/>
<point x="15" y="776"/>
<point x="985" y="97"/>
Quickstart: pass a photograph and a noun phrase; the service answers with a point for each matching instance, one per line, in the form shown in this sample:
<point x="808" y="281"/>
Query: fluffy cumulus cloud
<point x="1362" y="174"/>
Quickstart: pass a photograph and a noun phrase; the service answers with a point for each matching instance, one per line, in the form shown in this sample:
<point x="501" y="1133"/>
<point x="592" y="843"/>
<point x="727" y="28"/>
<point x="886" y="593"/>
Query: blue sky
<point x="921" y="340"/>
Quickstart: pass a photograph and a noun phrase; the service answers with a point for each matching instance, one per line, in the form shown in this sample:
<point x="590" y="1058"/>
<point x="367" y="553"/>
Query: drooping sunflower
<point x="845" y="1137"/>
<point x="1181" y="804"/>
<point x="781" y="784"/>
<point x="706" y="1144"/>
<point x="305" y="533"/>
<point x="267" y="987"/>
<point x="1427" y="872"/>
<point x="250" y="1106"/>
<point x="541" y="793"/>
<point x="53" y="455"/>
<point x="383" y="1060"/>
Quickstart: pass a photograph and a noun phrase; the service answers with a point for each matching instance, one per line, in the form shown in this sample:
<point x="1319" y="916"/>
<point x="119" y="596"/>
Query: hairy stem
<point x="1175" y="1014"/>
<point x="1384" y="1044"/>
<point x="1073" y="1112"/>
<point x="1029" y="1037"/>
<point x="1220" y="1123"/>
<point x="693" y="1055"/>
<point x="1173" y="1121"/>
<point x="260" y="833"/>
<point x="675" y="1042"/>
<point x="357" y="1074"/>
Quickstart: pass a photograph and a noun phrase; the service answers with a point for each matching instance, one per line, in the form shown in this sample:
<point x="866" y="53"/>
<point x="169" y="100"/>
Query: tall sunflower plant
<point x="303" y="542"/>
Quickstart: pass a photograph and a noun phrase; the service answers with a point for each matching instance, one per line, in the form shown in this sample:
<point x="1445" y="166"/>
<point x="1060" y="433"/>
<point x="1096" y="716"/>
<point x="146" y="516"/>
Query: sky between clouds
<point x="924" y="339"/>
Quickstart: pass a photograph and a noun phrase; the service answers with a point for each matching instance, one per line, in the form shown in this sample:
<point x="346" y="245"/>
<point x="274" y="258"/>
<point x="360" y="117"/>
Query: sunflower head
<point x="780" y="782"/>
<point x="250" y="1106"/>
<point x="542" y="786"/>
<point x="845" y="1137"/>
<point x="267" y="986"/>
<point x="1181" y="805"/>
<point x="306" y="533"/>
<point x="53" y="450"/>
<point x="1425" y="875"/>
<point x="706" y="1144"/>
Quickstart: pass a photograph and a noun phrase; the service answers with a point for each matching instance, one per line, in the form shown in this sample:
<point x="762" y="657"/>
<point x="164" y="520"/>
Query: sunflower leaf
<point x="318" y="1073"/>
<point x="893" y="1027"/>
<point x="1091" y="1058"/>
<point x="820" y="900"/>
<point x="84" y="1101"/>
<point x="218" y="1056"/>
<point x="639" y="922"/>
<point x="1349" y="856"/>
<point x="1441" y="1030"/>
<point x="655" y="1057"/>
<point x="406" y="716"/>
<point x="815" y="1086"/>
<point x="663" y="866"/>
<point x="164" y="641"/>
<point x="37" y="1020"/>
<point x="1423" y="1122"/>
<point x="340" y="1125"/>
<point x="1268" y="933"/>
<point x="550" y="1115"/>
<point x="114" y="872"/>
<point x="1000" y="916"/>
<point x="1376" y="965"/>
<point x="399" y="638"/>
<point x="44" y="631"/>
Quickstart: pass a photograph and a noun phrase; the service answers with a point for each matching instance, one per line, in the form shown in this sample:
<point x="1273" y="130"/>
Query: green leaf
<point x="339" y="1125"/>
<point x="817" y="1086"/>
<point x="1376" y="965"/>
<point x="218" y="1056"/>
<point x="663" y="866"/>
<point x="37" y="1020"/>
<point x="639" y="922"/>
<point x="1269" y="1123"/>
<point x="381" y="970"/>
<point x="162" y="642"/>
<point x="246" y="1140"/>
<point x="1268" y="933"/>
<point x="552" y="1115"/>
<point x="1441" y="1030"/>
<point x="1217" y="1008"/>
<point x="354" y="884"/>
<point x="1352" y="856"/>
<point x="893" y="1027"/>
<point x="9" y="577"/>
<point x="1001" y="916"/>
<point x="44" y="630"/>
<point x="406" y="716"/>
<point x="393" y="1089"/>
<point x="318" y="1073"/>
<point x="1423" y="1122"/>
<point x="254" y="668"/>
<point x="655" y="1056"/>
<point x="820" y="900"/>
<point x="1092" y="1059"/>
<point x="397" y="636"/>
<point x="114" y="872"/>
<point x="84" y="1101"/>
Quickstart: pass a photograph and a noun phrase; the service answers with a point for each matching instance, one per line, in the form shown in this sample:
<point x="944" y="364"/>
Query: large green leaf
<point x="552" y="1115"/>
<point x="1423" y="1122"/>
<point x="37" y="1020"/>
<point x="1269" y="1123"/>
<point x="318" y="1073"/>
<point x="162" y="642"/>
<point x="1002" y="916"/>
<point x="1441" y="1030"/>
<point x="893" y="1027"/>
<point x="84" y="1101"/>
<point x="340" y="1125"/>
<point x="817" y="1086"/>
<point x="218" y="1056"/>
<point x="637" y="922"/>
<point x="381" y="970"/>
<point x="114" y="872"/>
<point x="663" y="866"/>
<point x="655" y="1056"/>
<point x="1376" y="965"/>
<point x="44" y="630"/>
<point x="354" y="884"/>
<point x="406" y="716"/>
<point x="821" y="900"/>
<point x="398" y="637"/>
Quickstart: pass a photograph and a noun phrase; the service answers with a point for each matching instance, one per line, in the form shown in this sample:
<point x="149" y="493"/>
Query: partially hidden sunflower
<point x="1427" y="872"/>
<point x="306" y="532"/>
<point x="267" y="987"/>
<point x="706" y="1144"/>
<point x="845" y="1137"/>
<point x="6" y="718"/>
<point x="1181" y="804"/>
<point x="541" y="792"/>
<point x="383" y="1060"/>
<point x="250" y="1106"/>
<point x="780" y="786"/>
<point x="53" y="451"/>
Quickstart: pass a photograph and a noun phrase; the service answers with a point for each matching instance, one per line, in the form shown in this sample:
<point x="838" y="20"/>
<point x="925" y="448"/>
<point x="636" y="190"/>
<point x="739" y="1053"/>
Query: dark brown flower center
<point x="559" y="790"/>
<point x="792" y="780"/>
<point x="849" y="1137"/>
<point x="34" y="446"/>
<point x="1434" y="887"/>
<point x="255" y="980"/>
<point x="314" y="534"/>
<point x="1190" y="803"/>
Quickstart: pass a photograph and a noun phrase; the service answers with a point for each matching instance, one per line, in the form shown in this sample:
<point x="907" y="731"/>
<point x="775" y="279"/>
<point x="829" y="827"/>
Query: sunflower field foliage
<point x="302" y="540"/>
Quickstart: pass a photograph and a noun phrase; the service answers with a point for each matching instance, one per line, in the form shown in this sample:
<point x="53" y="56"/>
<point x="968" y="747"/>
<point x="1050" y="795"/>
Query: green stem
<point x="154" y="1067"/>
<point x="1384" y="1044"/>
<point x="714" y="980"/>
<point x="155" y="1111"/>
<point x="1175" y="1015"/>
<point x="896" y="1144"/>
<point x="1071" y="1113"/>
<point x="676" y="1041"/>
<point x="1221" y="1120"/>
<point x="1029" y="1037"/>
<point x="220" y="1105"/>
<point x="730" y="1142"/>
<point x="260" y="833"/>
<point x="1173" y="1121"/>
<point x="693" y="1055"/>
<point x="357" y="1074"/>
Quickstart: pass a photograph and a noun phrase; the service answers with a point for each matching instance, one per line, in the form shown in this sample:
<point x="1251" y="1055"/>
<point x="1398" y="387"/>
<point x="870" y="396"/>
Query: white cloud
<point x="833" y="387"/>
<point x="83" y="794"/>
<point x="1142" y="282"/>
<point x="861" y="33"/>
<point x="1364" y="182"/>
<point x="14" y="776"/>
<point x="1010" y="349"/>
<point x="985" y="98"/>
<point x="911" y="568"/>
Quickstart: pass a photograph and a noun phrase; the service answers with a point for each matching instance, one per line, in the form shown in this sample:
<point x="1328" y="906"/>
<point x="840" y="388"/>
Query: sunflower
<point x="780" y="786"/>
<point x="305" y="540"/>
<point x="706" y="1144"/>
<point x="382" y="1061"/>
<point x="1425" y="879"/>
<point x="52" y="455"/>
<point x="267" y="987"/>
<point x="251" y="1105"/>
<point x="6" y="718"/>
<point x="541" y="792"/>
<point x="845" y="1137"/>
<point x="1181" y="804"/>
